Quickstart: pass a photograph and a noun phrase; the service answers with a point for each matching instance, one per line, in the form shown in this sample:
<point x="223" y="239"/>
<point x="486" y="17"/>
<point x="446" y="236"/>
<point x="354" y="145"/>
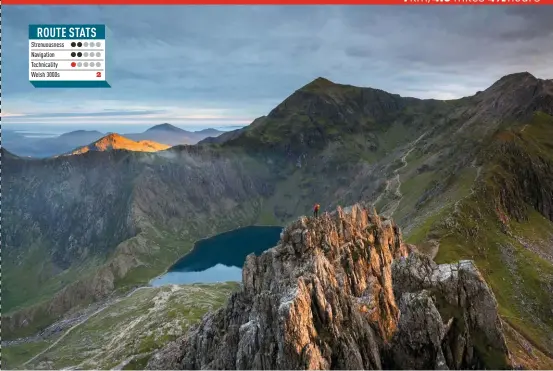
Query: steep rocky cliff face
<point x="523" y="171"/>
<point x="344" y="291"/>
<point x="448" y="317"/>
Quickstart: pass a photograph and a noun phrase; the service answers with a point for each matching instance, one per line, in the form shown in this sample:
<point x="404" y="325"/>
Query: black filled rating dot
<point x="79" y="44"/>
<point x="73" y="54"/>
<point x="79" y="54"/>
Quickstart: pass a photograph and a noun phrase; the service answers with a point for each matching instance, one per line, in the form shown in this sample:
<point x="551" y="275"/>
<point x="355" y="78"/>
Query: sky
<point x="223" y="66"/>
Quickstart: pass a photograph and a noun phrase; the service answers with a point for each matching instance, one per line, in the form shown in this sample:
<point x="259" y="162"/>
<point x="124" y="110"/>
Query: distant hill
<point x="209" y="131"/>
<point x="167" y="134"/>
<point x="167" y="127"/>
<point x="116" y="142"/>
<point x="172" y="135"/>
<point x="223" y="137"/>
<point x="47" y="147"/>
<point x="80" y="134"/>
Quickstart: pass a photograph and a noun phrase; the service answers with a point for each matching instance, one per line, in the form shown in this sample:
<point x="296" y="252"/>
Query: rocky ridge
<point x="343" y="291"/>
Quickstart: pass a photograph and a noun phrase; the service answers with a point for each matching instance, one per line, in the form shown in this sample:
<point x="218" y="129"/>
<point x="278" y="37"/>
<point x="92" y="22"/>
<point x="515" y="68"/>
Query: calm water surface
<point x="221" y="257"/>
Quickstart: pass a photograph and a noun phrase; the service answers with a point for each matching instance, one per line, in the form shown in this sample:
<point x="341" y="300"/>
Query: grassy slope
<point x="21" y="289"/>
<point x="128" y="331"/>
<point x="479" y="227"/>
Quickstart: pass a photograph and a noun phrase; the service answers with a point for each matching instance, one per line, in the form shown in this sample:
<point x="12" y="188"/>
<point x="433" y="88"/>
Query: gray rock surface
<point x="449" y="317"/>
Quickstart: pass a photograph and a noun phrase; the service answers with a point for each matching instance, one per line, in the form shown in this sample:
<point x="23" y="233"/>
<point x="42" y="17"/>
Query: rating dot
<point x="73" y="44"/>
<point x="85" y="54"/>
<point x="85" y="44"/>
<point x="98" y="64"/>
<point x="73" y="64"/>
<point x="79" y="44"/>
<point x="98" y="54"/>
<point x="79" y="54"/>
<point x="86" y="64"/>
<point x="79" y="64"/>
<point x="73" y="54"/>
<point x="98" y="44"/>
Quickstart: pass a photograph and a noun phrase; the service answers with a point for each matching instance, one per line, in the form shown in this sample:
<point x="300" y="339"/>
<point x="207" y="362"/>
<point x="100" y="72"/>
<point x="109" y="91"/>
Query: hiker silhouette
<point x="316" y="210"/>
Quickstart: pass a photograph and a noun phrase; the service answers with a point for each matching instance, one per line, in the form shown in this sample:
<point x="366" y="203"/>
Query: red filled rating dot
<point x="73" y="64"/>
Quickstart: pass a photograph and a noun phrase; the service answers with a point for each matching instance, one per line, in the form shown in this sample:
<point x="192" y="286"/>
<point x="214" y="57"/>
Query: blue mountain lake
<point x="220" y="258"/>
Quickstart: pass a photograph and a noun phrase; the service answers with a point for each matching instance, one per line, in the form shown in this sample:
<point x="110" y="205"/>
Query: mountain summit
<point x="172" y="135"/>
<point x="167" y="127"/>
<point x="319" y="83"/>
<point x="115" y="141"/>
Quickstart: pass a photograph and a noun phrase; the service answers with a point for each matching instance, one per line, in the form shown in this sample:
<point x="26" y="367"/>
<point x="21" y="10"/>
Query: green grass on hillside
<point x="132" y="327"/>
<point x="22" y="289"/>
<point x="510" y="254"/>
<point x="14" y="356"/>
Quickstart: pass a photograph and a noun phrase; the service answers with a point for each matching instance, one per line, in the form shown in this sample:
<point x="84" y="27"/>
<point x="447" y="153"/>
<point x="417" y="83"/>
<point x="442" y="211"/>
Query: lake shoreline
<point x="217" y="254"/>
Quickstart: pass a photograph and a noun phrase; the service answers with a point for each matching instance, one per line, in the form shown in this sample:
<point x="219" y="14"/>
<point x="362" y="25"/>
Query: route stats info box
<point x="67" y="56"/>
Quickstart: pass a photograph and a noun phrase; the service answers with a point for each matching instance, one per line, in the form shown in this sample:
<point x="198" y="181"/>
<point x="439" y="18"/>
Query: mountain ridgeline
<point x="118" y="142"/>
<point x="466" y="179"/>
<point x="156" y="137"/>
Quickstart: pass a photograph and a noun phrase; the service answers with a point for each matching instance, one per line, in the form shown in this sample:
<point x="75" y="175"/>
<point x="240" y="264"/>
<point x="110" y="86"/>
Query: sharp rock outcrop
<point x="325" y="298"/>
<point x="448" y="319"/>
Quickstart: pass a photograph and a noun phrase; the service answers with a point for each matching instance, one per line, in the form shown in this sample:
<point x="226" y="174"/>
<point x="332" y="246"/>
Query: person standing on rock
<point x="316" y="210"/>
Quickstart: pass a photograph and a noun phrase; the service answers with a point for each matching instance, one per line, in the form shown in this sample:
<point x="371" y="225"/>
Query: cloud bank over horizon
<point x="226" y="65"/>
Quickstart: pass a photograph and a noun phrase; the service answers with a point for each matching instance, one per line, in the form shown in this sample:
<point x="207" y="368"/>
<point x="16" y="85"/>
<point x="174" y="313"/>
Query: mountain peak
<point x="114" y="141"/>
<point x="515" y="97"/>
<point x="514" y="80"/>
<point x="165" y="127"/>
<point x="518" y="75"/>
<point x="111" y="141"/>
<point x="319" y="83"/>
<point x="80" y="132"/>
<point x="111" y="137"/>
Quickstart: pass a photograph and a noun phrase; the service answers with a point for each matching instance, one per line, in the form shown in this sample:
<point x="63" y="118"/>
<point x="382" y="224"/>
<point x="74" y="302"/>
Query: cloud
<point x="235" y="63"/>
<point x="107" y="113"/>
<point x="8" y="114"/>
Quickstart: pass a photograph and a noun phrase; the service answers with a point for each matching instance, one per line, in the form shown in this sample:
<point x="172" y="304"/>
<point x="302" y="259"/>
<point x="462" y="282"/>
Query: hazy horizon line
<point x="52" y="130"/>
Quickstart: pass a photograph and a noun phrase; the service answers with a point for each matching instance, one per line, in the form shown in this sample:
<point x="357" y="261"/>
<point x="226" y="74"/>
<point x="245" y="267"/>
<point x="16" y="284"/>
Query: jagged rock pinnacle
<point x="323" y="298"/>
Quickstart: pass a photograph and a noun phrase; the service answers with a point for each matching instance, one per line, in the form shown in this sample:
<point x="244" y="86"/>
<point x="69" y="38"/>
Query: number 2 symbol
<point x="98" y="74"/>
